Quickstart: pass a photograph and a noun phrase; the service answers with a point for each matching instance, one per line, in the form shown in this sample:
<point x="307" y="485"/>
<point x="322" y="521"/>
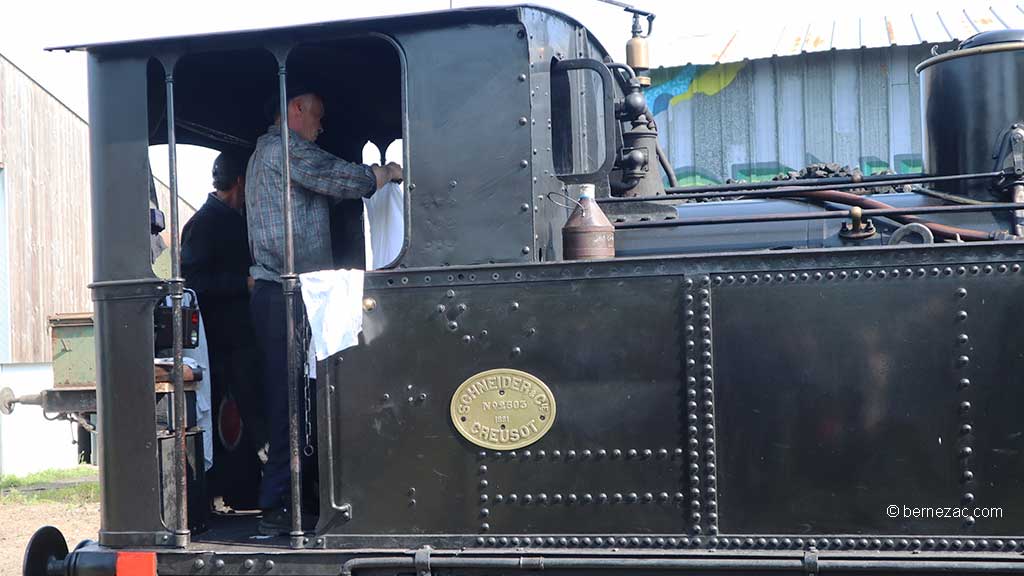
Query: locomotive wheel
<point x="46" y="545"/>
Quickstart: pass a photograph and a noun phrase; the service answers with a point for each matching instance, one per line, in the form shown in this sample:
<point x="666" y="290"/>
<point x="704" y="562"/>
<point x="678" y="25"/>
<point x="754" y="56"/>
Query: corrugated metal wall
<point x="751" y="120"/>
<point x="44" y="153"/>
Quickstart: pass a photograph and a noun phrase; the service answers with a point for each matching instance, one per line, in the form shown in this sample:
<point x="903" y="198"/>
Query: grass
<point x="73" y="485"/>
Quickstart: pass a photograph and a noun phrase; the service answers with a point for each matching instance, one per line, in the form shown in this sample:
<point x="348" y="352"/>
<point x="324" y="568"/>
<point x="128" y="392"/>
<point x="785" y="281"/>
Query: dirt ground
<point x="18" y="521"/>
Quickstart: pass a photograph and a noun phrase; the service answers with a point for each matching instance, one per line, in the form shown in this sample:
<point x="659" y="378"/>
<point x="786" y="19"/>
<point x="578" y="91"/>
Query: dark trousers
<point x="268" y="315"/>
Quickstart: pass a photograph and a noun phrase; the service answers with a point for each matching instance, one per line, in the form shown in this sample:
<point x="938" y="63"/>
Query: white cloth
<point x="384" y="225"/>
<point x="334" y="308"/>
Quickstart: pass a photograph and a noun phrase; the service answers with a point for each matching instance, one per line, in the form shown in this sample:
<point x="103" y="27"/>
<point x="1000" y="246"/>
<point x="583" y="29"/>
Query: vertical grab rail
<point x="177" y="284"/>
<point x="290" y="283"/>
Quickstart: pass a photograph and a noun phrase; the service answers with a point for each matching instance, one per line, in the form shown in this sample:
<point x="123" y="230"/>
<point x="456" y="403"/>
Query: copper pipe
<point x="941" y="230"/>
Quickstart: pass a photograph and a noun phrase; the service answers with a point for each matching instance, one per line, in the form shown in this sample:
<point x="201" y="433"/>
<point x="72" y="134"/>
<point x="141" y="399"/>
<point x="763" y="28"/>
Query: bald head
<point x="305" y="115"/>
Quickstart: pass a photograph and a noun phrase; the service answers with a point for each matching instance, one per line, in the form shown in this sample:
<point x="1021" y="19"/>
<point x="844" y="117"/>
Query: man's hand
<point x="250" y="283"/>
<point x="391" y="172"/>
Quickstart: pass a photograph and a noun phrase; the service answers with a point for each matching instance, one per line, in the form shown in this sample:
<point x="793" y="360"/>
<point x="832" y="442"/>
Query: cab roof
<point x="303" y="32"/>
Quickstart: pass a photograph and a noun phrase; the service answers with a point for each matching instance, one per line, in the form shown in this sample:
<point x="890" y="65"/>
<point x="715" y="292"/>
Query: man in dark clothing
<point x="215" y="262"/>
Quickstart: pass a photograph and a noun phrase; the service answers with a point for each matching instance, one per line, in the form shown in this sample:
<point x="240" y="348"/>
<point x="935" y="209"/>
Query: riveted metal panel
<point x="612" y="462"/>
<point x="456" y="77"/>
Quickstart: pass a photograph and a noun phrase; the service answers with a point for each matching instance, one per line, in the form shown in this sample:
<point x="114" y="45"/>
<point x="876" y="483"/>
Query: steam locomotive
<point x="721" y="395"/>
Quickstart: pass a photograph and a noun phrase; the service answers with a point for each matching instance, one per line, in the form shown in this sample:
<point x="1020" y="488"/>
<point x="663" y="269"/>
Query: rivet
<point x="987" y="269"/>
<point x="483" y="484"/>
<point x="817" y="275"/>
<point x="616" y="453"/>
<point x="523" y="120"/>
<point x="963" y="360"/>
<point x="961" y="292"/>
<point x="961" y="270"/>
<point x="967" y="476"/>
<point x="556" y="454"/>
<point x="450" y="293"/>
<point x="516" y="351"/>
<point x="966" y="451"/>
<point x="961" y="315"/>
<point x="453" y="183"/>
<point x="527" y="498"/>
<point x="965" y="406"/>
<point x="968" y="498"/>
<point x="486" y="527"/>
<point x="1015" y="268"/>
<point x="485" y="512"/>
<point x="522" y="77"/>
<point x="523" y="163"/>
<point x="1002" y="270"/>
<point x="975" y="269"/>
<point x="526" y="250"/>
<point x="966" y="429"/>
<point x="963" y="338"/>
<point x="935" y="271"/>
<point x="269" y="565"/>
<point x="199" y="564"/>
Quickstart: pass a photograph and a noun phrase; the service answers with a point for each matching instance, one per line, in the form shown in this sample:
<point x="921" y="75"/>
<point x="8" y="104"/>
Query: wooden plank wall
<point x="44" y="153"/>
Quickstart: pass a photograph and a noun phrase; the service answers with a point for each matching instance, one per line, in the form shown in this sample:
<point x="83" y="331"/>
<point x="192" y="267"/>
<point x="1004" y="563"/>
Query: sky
<point x="27" y="27"/>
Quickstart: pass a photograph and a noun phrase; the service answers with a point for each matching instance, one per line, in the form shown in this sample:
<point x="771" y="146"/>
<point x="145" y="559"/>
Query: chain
<point x="308" y="449"/>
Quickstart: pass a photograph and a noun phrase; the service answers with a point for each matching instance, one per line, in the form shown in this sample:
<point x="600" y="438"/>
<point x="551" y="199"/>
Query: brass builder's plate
<point x="503" y="409"/>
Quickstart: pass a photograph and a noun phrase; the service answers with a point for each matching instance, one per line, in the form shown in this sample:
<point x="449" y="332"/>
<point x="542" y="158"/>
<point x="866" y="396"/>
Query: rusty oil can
<point x="587" y="234"/>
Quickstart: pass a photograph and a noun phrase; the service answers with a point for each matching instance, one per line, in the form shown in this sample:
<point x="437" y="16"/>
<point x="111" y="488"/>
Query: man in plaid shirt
<point x="318" y="179"/>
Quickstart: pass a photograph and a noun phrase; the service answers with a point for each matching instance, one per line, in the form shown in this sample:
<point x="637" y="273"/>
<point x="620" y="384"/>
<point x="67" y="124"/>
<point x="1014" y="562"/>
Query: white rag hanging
<point x="334" y="308"/>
